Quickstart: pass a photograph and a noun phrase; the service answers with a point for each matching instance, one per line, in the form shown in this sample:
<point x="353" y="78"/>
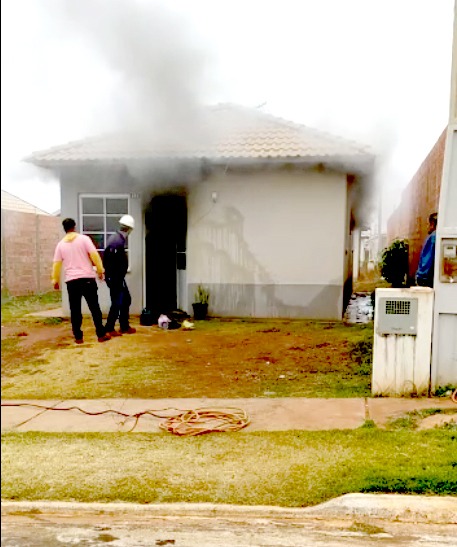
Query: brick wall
<point x="419" y="199"/>
<point x="28" y="243"/>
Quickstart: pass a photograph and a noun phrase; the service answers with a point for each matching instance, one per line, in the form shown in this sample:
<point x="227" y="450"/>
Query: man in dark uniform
<point x="115" y="262"/>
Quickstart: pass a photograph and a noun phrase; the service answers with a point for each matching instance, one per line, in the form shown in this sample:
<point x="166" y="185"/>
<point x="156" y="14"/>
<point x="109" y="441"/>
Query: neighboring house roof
<point x="13" y="203"/>
<point x="223" y="132"/>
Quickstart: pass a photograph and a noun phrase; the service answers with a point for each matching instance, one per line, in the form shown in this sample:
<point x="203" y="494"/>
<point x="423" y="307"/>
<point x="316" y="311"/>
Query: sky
<point x="373" y="71"/>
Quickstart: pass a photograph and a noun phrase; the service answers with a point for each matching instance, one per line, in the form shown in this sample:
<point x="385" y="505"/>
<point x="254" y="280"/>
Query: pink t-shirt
<point x="74" y="255"/>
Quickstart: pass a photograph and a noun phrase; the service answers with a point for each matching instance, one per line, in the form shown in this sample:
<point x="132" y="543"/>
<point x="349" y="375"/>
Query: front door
<point x="166" y="228"/>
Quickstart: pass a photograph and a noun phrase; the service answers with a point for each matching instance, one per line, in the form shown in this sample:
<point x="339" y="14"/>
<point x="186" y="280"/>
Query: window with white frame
<point x="99" y="216"/>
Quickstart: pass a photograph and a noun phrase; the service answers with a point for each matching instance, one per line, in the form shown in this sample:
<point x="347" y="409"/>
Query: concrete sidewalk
<point x="266" y="414"/>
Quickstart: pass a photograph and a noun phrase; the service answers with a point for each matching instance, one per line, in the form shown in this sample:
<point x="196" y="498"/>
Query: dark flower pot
<point x="146" y="318"/>
<point x="200" y="310"/>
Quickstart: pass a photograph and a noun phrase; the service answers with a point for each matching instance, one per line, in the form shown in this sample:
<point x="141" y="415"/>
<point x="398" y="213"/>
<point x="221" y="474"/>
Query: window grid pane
<point x="100" y="217"/>
<point x="93" y="205"/>
<point x="117" y="206"/>
<point x="98" y="240"/>
<point x="112" y="223"/>
<point x="93" y="224"/>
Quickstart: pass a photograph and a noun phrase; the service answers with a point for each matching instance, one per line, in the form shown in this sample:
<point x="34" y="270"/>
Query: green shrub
<point x="361" y="353"/>
<point x="394" y="263"/>
<point x="444" y="391"/>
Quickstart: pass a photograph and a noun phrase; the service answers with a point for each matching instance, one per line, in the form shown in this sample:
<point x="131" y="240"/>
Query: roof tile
<point x="226" y="132"/>
<point x="13" y="203"/>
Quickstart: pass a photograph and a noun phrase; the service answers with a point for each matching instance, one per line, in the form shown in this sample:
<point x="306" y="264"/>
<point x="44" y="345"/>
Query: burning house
<point x="259" y="210"/>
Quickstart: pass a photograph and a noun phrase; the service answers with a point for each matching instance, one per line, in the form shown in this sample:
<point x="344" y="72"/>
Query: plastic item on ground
<point x="163" y="321"/>
<point x="187" y="325"/>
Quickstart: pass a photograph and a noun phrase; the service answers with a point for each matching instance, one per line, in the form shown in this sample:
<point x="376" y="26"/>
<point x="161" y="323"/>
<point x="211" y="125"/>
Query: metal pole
<point x="444" y="354"/>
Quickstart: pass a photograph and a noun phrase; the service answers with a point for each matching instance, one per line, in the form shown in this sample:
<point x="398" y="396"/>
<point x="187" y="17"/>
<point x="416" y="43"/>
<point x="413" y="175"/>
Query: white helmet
<point x="128" y="221"/>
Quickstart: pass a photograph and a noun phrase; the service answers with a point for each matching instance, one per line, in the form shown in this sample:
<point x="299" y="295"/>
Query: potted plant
<point x="200" y="305"/>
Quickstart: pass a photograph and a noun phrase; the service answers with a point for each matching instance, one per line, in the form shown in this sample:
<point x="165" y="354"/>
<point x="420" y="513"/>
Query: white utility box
<point x="402" y="341"/>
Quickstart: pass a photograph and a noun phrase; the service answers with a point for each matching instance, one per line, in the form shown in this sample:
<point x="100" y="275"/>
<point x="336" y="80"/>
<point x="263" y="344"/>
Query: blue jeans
<point x="120" y="305"/>
<point x="78" y="288"/>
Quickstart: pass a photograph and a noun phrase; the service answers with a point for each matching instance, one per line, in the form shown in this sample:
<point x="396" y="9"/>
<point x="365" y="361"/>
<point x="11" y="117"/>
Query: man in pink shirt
<point x="78" y="255"/>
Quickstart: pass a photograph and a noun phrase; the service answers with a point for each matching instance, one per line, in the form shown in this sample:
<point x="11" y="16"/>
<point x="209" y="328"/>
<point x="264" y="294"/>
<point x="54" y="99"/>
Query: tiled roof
<point x="224" y="132"/>
<point x="13" y="203"/>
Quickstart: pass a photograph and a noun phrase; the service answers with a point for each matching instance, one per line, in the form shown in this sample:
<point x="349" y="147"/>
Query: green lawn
<point x="17" y="307"/>
<point x="276" y="468"/>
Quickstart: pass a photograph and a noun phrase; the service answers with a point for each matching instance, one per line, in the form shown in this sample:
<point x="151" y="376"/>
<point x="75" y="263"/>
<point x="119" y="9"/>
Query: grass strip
<point x="292" y="468"/>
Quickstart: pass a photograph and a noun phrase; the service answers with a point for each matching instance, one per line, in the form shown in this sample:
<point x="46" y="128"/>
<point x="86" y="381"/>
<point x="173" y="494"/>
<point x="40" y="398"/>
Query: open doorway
<point x="166" y="229"/>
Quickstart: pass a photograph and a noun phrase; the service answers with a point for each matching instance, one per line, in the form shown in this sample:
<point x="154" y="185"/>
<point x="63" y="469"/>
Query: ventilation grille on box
<point x="398" y="307"/>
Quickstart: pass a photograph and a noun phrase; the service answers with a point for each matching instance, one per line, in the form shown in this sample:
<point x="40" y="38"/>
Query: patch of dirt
<point x="439" y="420"/>
<point x="218" y="359"/>
<point x="256" y="347"/>
<point x="30" y="335"/>
<point x="32" y="340"/>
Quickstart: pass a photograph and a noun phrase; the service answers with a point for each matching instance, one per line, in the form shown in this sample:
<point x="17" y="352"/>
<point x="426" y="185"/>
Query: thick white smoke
<point x="160" y="69"/>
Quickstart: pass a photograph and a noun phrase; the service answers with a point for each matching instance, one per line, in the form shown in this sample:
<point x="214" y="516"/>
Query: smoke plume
<point x="160" y="70"/>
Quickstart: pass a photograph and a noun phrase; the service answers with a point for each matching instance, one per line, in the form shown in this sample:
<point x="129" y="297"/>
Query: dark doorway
<point x="166" y="228"/>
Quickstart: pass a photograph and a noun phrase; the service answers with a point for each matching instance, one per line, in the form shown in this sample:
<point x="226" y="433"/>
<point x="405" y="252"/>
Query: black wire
<point x="136" y="416"/>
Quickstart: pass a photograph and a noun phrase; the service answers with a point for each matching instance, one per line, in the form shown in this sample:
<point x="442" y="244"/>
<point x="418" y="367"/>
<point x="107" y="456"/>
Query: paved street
<point x="355" y="520"/>
<point x="213" y="532"/>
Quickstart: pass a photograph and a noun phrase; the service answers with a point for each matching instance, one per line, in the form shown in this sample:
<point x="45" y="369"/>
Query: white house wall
<point x="269" y="244"/>
<point x="272" y="244"/>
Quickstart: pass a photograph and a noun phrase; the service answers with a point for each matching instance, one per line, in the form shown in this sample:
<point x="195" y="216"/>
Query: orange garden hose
<point x="206" y="420"/>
